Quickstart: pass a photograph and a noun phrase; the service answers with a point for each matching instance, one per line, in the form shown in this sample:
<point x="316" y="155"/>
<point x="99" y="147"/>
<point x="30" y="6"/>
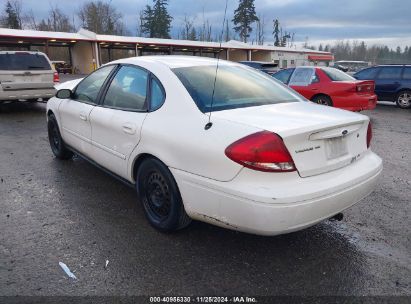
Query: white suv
<point x="26" y="75"/>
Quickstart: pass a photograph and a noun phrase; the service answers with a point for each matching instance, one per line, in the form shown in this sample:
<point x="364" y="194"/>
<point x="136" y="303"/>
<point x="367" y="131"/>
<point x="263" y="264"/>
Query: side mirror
<point x="64" y="93"/>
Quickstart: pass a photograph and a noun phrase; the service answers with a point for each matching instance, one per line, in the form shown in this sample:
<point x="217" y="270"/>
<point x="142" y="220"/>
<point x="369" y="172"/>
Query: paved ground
<point x="71" y="212"/>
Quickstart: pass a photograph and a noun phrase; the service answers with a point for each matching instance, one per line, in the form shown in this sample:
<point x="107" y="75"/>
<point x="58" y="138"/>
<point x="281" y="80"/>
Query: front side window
<point x="337" y="75"/>
<point x="407" y="73"/>
<point x="284" y="75"/>
<point x="366" y="74"/>
<point x="390" y="73"/>
<point x="302" y="77"/>
<point x="88" y="89"/>
<point x="235" y="87"/>
<point x="128" y="90"/>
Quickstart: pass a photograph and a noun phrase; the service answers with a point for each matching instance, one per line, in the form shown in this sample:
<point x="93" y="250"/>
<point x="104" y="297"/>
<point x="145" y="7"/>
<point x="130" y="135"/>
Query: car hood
<point x="68" y="84"/>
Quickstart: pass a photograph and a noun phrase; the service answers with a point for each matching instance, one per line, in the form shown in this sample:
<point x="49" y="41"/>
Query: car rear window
<point x="337" y="75"/>
<point x="235" y="87"/>
<point x="23" y="61"/>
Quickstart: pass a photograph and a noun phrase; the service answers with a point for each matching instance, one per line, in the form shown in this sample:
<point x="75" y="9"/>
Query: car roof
<point x="176" y="61"/>
<point x="27" y="52"/>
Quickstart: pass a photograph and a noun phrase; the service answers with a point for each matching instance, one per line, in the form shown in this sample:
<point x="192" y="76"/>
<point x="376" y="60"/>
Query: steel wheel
<point x="157" y="197"/>
<point x="158" y="192"/>
<point x="404" y="100"/>
<point x="56" y="142"/>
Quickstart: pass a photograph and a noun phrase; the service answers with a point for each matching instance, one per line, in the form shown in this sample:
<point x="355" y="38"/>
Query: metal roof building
<point x="86" y="50"/>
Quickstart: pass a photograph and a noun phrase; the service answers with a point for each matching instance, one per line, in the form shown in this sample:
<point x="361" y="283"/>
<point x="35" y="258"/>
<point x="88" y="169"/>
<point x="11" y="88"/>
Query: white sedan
<point x="228" y="146"/>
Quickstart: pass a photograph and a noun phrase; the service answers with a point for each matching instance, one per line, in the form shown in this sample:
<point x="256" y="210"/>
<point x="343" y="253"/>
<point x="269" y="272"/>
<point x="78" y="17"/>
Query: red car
<point x="331" y="87"/>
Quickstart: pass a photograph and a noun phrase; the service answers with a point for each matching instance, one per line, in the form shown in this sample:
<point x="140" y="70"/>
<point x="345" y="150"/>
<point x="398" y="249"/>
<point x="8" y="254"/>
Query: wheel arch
<point x="138" y="160"/>
<point x="323" y="94"/>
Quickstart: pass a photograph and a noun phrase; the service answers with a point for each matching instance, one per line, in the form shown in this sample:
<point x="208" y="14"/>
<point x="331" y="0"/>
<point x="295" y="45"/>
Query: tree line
<point x="155" y="21"/>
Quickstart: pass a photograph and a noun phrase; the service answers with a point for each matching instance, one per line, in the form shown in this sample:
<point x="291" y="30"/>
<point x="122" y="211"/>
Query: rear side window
<point x="128" y="90"/>
<point x="157" y="94"/>
<point x="284" y="75"/>
<point x="23" y="61"/>
<point x="366" y="74"/>
<point x="390" y="73"/>
<point x="407" y="73"/>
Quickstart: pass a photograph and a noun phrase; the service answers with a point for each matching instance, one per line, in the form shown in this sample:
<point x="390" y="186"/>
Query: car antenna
<point x="209" y="123"/>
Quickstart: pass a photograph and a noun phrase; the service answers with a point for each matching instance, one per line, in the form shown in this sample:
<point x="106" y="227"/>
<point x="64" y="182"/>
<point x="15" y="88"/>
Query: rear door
<point x="387" y="82"/>
<point x="117" y="122"/>
<point x="25" y="71"/>
<point x="75" y="112"/>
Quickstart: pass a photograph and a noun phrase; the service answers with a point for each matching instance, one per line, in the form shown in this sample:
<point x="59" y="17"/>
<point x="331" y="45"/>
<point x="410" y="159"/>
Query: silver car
<point x="26" y="76"/>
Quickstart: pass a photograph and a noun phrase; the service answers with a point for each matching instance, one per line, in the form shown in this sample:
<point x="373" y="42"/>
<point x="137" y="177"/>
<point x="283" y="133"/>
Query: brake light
<point x="262" y="151"/>
<point x="56" y="77"/>
<point x="369" y="135"/>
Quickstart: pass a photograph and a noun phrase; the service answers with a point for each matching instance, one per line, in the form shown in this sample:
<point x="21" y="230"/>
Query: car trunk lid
<point x="320" y="139"/>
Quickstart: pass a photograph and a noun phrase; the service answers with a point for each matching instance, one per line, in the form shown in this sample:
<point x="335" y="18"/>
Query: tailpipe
<point x="338" y="217"/>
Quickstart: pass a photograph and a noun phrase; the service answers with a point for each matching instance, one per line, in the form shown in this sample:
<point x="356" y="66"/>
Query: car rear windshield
<point x="235" y="87"/>
<point x="337" y="75"/>
<point x="23" y="61"/>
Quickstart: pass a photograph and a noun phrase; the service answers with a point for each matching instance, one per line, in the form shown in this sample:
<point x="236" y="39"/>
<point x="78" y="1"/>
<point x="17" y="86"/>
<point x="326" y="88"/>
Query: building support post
<point x="248" y="55"/>
<point x="170" y="50"/>
<point x="136" y="50"/>
<point x="227" y="54"/>
<point x="46" y="48"/>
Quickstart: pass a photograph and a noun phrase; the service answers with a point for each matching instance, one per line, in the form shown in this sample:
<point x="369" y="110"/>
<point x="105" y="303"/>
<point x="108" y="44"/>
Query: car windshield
<point x="23" y="61"/>
<point x="337" y="75"/>
<point x="235" y="87"/>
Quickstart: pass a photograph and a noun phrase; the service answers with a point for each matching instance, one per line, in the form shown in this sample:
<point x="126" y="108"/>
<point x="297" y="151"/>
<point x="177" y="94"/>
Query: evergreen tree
<point x="11" y="19"/>
<point x="244" y="17"/>
<point x="276" y="32"/>
<point x="156" y="20"/>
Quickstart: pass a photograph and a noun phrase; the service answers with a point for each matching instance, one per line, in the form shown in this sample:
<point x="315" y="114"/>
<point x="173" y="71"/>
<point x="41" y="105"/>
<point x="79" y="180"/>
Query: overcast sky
<point x="375" y="21"/>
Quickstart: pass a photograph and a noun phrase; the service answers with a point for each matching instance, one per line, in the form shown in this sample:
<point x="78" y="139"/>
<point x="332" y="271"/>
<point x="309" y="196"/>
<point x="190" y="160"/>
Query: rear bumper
<point x="356" y="102"/>
<point x="271" y="204"/>
<point x="27" y="94"/>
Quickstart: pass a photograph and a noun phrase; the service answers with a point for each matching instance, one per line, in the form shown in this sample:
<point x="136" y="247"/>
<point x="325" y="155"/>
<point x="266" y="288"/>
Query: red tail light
<point x="369" y="135"/>
<point x="56" y="77"/>
<point x="262" y="151"/>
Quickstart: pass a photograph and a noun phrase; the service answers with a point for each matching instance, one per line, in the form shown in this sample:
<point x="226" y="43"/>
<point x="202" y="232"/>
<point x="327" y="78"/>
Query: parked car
<point x="392" y="83"/>
<point x="26" y="75"/>
<point x="62" y="67"/>
<point x="266" y="67"/>
<point x="254" y="156"/>
<point x="330" y="87"/>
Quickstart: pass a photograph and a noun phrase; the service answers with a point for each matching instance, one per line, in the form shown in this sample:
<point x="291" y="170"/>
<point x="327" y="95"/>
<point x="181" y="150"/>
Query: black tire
<point x="158" y="192"/>
<point x="57" y="145"/>
<point x="322" y="100"/>
<point x="403" y="99"/>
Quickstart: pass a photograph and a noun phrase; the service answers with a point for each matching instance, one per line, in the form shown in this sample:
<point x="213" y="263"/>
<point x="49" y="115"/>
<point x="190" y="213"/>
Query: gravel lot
<point x="72" y="212"/>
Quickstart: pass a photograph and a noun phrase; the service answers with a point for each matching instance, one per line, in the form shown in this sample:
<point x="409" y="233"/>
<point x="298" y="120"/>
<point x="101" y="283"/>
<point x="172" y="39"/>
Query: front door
<point x="117" y="122"/>
<point x="75" y="112"/>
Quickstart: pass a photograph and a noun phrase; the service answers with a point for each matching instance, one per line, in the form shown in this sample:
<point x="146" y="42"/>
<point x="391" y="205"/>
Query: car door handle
<point x="83" y="116"/>
<point x="314" y="89"/>
<point x="129" y="128"/>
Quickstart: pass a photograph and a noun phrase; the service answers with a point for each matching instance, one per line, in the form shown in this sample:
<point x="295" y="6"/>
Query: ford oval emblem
<point x="345" y="132"/>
